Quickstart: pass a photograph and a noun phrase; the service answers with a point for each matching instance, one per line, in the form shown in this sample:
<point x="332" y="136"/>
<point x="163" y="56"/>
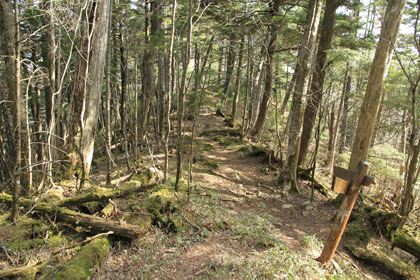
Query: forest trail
<point x="239" y="190"/>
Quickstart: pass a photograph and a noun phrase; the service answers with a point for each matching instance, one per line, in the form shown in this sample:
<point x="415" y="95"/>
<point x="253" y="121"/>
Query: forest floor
<point x="231" y="222"/>
<point x="240" y="226"/>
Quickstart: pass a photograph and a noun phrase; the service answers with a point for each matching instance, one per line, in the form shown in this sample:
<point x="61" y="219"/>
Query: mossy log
<point x="28" y="272"/>
<point x="108" y="210"/>
<point x="89" y="222"/>
<point x="407" y="243"/>
<point x="104" y="194"/>
<point x="92" y="223"/>
<point x="385" y="221"/>
<point x="82" y="265"/>
<point x="319" y="185"/>
<point x="397" y="270"/>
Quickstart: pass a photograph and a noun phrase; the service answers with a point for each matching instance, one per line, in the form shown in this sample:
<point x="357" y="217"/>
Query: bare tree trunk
<point x="378" y="72"/>
<point x="256" y="90"/>
<point x="343" y="127"/>
<point x="288" y="175"/>
<point x="229" y="68"/>
<point x="249" y="70"/>
<point x="149" y="74"/>
<point x="95" y="70"/>
<point x="124" y="82"/>
<point x="289" y="91"/>
<point x="9" y="32"/>
<point x="317" y="84"/>
<point x="170" y="87"/>
<point x="331" y="155"/>
<point x="181" y="95"/>
<point x="220" y="65"/>
<point x="108" y="137"/>
<point x="238" y="81"/>
<point x="331" y="122"/>
<point x="136" y="105"/>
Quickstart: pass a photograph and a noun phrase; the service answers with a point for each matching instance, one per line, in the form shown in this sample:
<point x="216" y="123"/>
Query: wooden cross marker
<point x="349" y="183"/>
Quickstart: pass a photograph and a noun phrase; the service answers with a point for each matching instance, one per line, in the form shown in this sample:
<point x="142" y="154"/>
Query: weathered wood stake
<point x="359" y="178"/>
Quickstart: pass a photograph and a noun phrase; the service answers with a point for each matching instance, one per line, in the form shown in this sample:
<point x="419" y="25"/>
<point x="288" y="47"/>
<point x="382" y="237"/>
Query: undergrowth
<point x="264" y="255"/>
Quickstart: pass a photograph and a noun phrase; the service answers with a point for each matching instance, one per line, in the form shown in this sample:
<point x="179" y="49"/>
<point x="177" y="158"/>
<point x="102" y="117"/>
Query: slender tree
<point x="288" y="175"/>
<point x="377" y="74"/>
<point x="317" y="82"/>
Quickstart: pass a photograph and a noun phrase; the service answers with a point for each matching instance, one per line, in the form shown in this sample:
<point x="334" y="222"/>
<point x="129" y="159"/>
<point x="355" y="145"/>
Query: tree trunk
<point x="317" y="84"/>
<point x="94" y="76"/>
<point x="289" y="91"/>
<point x="181" y="96"/>
<point x="238" y="82"/>
<point x="220" y="65"/>
<point x="256" y="90"/>
<point x="378" y="72"/>
<point x="149" y="74"/>
<point x="170" y="86"/>
<point x="229" y="68"/>
<point x="9" y="33"/>
<point x="269" y="58"/>
<point x="108" y="137"/>
<point x="288" y="175"/>
<point x="331" y="122"/>
<point x="343" y="126"/>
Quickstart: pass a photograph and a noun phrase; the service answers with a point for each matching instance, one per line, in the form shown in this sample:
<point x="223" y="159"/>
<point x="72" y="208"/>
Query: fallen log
<point x="104" y="194"/>
<point x="28" y="271"/>
<point x="406" y="243"/>
<point x="395" y="269"/>
<point x="90" y="223"/>
<point x="82" y="265"/>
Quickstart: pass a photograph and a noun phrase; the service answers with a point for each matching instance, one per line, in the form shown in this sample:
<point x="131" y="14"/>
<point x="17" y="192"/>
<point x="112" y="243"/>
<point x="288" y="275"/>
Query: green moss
<point x="358" y="233"/>
<point x="206" y="147"/>
<point x="24" y="244"/>
<point x="386" y="221"/>
<point x="163" y="205"/>
<point x="227" y="141"/>
<point x="55" y="241"/>
<point x="27" y="244"/>
<point x="254" y="150"/>
<point x="208" y="171"/>
<point x="4" y="219"/>
<point x="84" y="263"/>
<point x="25" y="229"/>
<point x="206" y="161"/>
<point x="53" y="196"/>
<point x="406" y="242"/>
<point x="139" y="219"/>
<point x="142" y="176"/>
<point x="395" y="269"/>
<point x="91" y="207"/>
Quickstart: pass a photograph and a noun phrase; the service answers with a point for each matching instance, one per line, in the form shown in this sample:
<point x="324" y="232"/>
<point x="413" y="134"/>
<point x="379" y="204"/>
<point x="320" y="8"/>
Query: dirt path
<point x="245" y="190"/>
<point x="244" y="178"/>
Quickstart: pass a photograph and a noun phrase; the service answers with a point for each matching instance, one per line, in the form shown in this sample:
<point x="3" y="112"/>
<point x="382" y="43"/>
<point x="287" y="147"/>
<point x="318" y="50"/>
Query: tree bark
<point x="94" y="76"/>
<point x="317" y="84"/>
<point x="256" y="90"/>
<point x="170" y="86"/>
<point x="149" y="73"/>
<point x="181" y="96"/>
<point x="343" y="126"/>
<point x="377" y="74"/>
<point x="108" y="136"/>
<point x="288" y="176"/>
<point x="238" y="81"/>
<point x="269" y="58"/>
<point x="229" y="68"/>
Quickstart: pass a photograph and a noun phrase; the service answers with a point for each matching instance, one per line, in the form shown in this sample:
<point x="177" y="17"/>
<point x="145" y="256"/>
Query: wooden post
<point x="344" y="212"/>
